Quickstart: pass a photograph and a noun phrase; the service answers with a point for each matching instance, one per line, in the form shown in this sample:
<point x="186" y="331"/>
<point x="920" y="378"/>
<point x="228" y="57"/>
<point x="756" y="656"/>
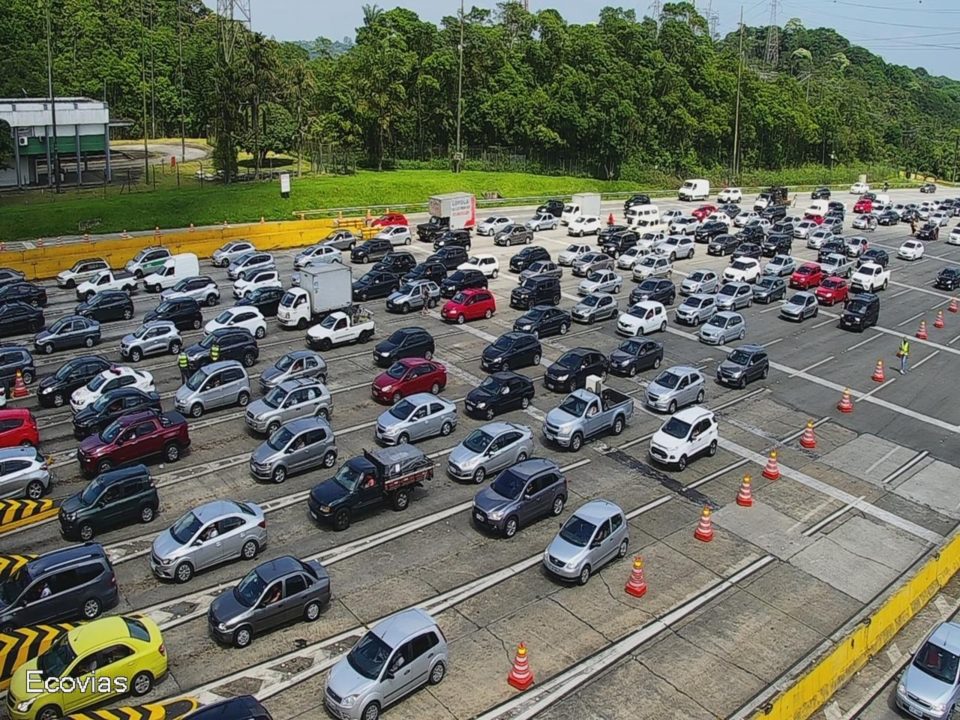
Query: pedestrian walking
<point x="215" y="353"/>
<point x="903" y="353"/>
<point x="425" y="300"/>
<point x="183" y="362"/>
<point x="913" y="227"/>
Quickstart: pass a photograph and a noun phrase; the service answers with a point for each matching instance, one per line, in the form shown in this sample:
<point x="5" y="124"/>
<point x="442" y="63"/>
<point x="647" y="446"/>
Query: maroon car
<point x="133" y="437"/>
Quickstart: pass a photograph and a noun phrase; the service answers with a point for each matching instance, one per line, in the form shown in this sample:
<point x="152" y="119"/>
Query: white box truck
<point x="175" y="268"/>
<point x="453" y="211"/>
<point x="581" y="204"/>
<point x="323" y="289"/>
<point x="694" y="190"/>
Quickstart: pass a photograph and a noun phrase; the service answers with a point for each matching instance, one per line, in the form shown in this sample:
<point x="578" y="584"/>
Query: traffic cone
<point x="40" y="242"/>
<point x="704" y="531"/>
<point x="520" y="676"/>
<point x="922" y="330"/>
<point x="636" y="585"/>
<point x="124" y="235"/>
<point x="19" y="387"/>
<point x="262" y="220"/>
<point x="845" y="405"/>
<point x="610" y="219"/>
<point x="938" y="323"/>
<point x="772" y="470"/>
<point x="878" y="372"/>
<point x="808" y="440"/>
<point x="745" y="495"/>
<point x="191" y="228"/>
<point x="954" y="307"/>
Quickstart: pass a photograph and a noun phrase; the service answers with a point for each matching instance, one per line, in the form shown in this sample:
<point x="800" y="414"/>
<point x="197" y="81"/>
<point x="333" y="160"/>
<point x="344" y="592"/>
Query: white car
<point x="742" y="269"/>
<point x="687" y="434"/>
<point x="676" y="247"/>
<point x="112" y="379"/>
<point x="584" y="225"/>
<point x="730" y="195"/>
<point x="954" y="237"/>
<point x="396" y="234"/>
<point x="245" y="316"/>
<point x="629" y="257"/>
<point x="911" y="250"/>
<point x="859" y="188"/>
<point x="720" y="217"/>
<point x="316" y="254"/>
<point x="941" y="218"/>
<point x="805" y="227"/>
<point x="649" y="240"/>
<point x="201" y="288"/>
<point x="644" y="317"/>
<point x="493" y="224"/>
<point x="568" y="256"/>
<point x="817" y="238"/>
<point x="668" y="216"/>
<point x="862" y="222"/>
<point x="870" y="277"/>
<point x="780" y="265"/>
<point x="487" y="264"/>
<point x="684" y="225"/>
<point x="744" y="217"/>
<point x="262" y="278"/>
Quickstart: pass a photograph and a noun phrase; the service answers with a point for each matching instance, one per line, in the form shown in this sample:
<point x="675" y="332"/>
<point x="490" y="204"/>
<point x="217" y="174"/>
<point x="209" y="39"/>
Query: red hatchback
<point x="807" y="276"/>
<point x="470" y="304"/>
<point x="832" y="291"/>
<point x="863" y="205"/>
<point x="407" y="377"/>
<point x="390" y="219"/>
<point x="704" y="211"/>
<point x="18" y="427"/>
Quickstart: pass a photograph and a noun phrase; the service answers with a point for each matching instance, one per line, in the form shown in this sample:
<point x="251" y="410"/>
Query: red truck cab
<point x="807" y="276"/>
<point x="407" y="377"/>
<point x="469" y="304"/>
<point x="130" y="438"/>
<point x="831" y="291"/>
<point x="18" y="427"/>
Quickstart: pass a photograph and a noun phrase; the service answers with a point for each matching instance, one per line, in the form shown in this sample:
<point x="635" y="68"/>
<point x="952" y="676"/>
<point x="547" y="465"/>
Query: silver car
<point x="23" y="473"/>
<point x="800" y="306"/>
<point x="490" y="449"/>
<point x="573" y="253"/>
<point x="217" y="385"/>
<point x="734" y="295"/>
<point x="543" y="221"/>
<point x="250" y="262"/>
<point x="152" y="338"/>
<point x="396" y="234"/>
<point x="201" y="288"/>
<point x="409" y="296"/>
<point x="398" y="656"/>
<point x="342" y="240"/>
<point x="591" y="261"/>
<point x="227" y="253"/>
<point x="296" y="447"/>
<point x="493" y="224"/>
<point x="288" y="401"/>
<point x="541" y="267"/>
<point x="214" y="533"/>
<point x="600" y="281"/>
<point x="696" y="309"/>
<point x="599" y="306"/>
<point x="528" y="491"/>
<point x="929" y="687"/>
<point x="293" y="365"/>
<point x="652" y="266"/>
<point x="317" y="255"/>
<point x="593" y="536"/>
<point x="700" y="281"/>
<point x="630" y="257"/>
<point x="417" y="417"/>
<point x="722" y="328"/>
<point x="676" y="247"/>
<point x="675" y="388"/>
<point x="818" y="238"/>
<point x="780" y="265"/>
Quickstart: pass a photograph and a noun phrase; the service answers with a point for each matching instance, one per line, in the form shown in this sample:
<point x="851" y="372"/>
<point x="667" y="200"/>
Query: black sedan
<point x="23" y="292"/>
<point x="451" y="257"/>
<point x="752" y="234"/>
<point x="636" y="355"/>
<point x="375" y="284"/>
<point x="948" y="278"/>
<point x="55" y="390"/>
<point x="499" y="393"/>
<point x="929" y="232"/>
<point x="821" y="193"/>
<point x="833" y="247"/>
<point x="106" y="306"/>
<point x="888" y="217"/>
<point x="709" y="230"/>
<point x="747" y="250"/>
<point x="658" y="289"/>
<point x="397" y="263"/>
<point x="18" y="317"/>
<point x="777" y="244"/>
<point x="543" y="321"/>
<point x="111" y="405"/>
<point x="462" y="280"/>
<point x="723" y="245"/>
<point x="635" y="200"/>
<point x="551" y="207"/>
<point x="428" y="270"/>
<point x="510" y="351"/>
<point x="875" y="256"/>
<point x="264" y="299"/>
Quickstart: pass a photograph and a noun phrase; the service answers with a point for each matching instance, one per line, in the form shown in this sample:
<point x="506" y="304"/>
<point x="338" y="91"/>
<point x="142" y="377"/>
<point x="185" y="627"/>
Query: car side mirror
<point x="197" y="543"/>
<point x="595" y="544"/>
<point x="390" y="675"/>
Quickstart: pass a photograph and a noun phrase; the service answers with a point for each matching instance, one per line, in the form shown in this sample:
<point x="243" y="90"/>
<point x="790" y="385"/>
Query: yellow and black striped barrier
<point x="17" y="513"/>
<point x="10" y="564"/>
<point x="19" y="646"/>
<point x="171" y="710"/>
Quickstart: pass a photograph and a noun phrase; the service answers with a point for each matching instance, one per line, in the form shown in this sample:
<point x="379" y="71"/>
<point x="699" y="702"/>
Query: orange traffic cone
<point x="39" y="242"/>
<point x="845" y="405"/>
<point x="938" y="323"/>
<point x="772" y="470"/>
<point x="636" y="585"/>
<point x="262" y="220"/>
<point x="520" y="676"/>
<point x="953" y="307"/>
<point x="808" y="440"/>
<point x="19" y="387"/>
<point x="704" y="531"/>
<point x="922" y="330"/>
<point x="610" y="220"/>
<point x="191" y="227"/>
<point x="745" y="496"/>
<point x="878" y="372"/>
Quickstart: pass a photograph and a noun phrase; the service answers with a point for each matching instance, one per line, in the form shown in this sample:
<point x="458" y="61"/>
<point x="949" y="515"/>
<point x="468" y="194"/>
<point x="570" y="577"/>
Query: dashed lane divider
<point x="171" y="710"/>
<point x="19" y="646"/>
<point x="17" y="513"/>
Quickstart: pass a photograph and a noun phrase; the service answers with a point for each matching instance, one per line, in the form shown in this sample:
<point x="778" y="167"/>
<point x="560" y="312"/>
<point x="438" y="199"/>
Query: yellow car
<point x="87" y="666"/>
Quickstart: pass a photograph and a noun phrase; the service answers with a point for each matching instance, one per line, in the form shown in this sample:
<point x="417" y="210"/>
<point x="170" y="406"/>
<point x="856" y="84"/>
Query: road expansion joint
<point x="675" y="688"/>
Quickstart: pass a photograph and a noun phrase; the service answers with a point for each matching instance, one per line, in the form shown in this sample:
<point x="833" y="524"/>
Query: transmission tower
<point x="713" y="19"/>
<point x="655" y="7"/>
<point x="231" y="16"/>
<point x="526" y="5"/>
<point x="771" y="55"/>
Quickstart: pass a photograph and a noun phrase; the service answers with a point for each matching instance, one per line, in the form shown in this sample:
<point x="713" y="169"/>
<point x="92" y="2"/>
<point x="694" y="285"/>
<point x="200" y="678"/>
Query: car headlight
<point x="571" y="565"/>
<point x="349" y="701"/>
<point x="938" y="707"/>
<point x="70" y="517"/>
<point x="386" y="388"/>
<point x="481" y="405"/>
<point x="46" y="391"/>
<point x="24" y="705"/>
<point x="166" y="561"/>
<point x="526" y="327"/>
<point x="496" y="515"/>
<point x="901" y="688"/>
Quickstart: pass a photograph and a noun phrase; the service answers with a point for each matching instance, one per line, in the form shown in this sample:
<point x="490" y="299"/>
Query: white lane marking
<point x="864" y="342"/>
<point x="714" y="475"/>
<point x="881" y="460"/>
<point x="940" y="304"/>
<point x="906" y="466"/>
<point x="771" y="309"/>
<point x="954" y="340"/>
<point x="772" y="342"/>
<point x="902" y="292"/>
<point x="910" y="319"/>
<point x="878" y="388"/>
<point x="823" y="322"/>
<point x="928" y="357"/>
<point x="811" y="367"/>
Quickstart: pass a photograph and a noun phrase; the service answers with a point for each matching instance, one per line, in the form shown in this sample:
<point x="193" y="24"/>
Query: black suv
<point x="397" y="263"/>
<point x="723" y="245"/>
<point x="833" y="247"/>
<point x="265" y="299"/>
<point x="18" y="317"/>
<point x="948" y="278"/>
<point x="658" y="289"/>
<point x="551" y="207"/>
<point x="108" y="407"/>
<point x="774" y="212"/>
<point x="709" y="230"/>
<point x="13" y="358"/>
<point x="618" y="243"/>
<point x="751" y="233"/>
<point x="608" y="231"/>
<point x="777" y="244"/>
<point x="183" y="312"/>
<point x="235" y="344"/>
<point x="371" y="250"/>
<point x="375" y="284"/>
<point x="428" y="270"/>
<point x="244" y="707"/>
<point x="488" y="399"/>
<point x="462" y="280"/>
<point x="449" y="238"/>
<point x="55" y="390"/>
<point x="106" y="306"/>
<point x="744" y="365"/>
<point x="875" y="256"/>
<point x="634" y="200"/>
<point x="510" y="351"/>
<point x="929" y="232"/>
<point x="111" y="500"/>
<point x="24" y="292"/>
<point x="521" y="261"/>
<point x="860" y="312"/>
<point x="543" y="321"/>
<point x="409" y="342"/>
<point x="72" y="582"/>
<point x="537" y="290"/>
<point x="747" y="250"/>
<point x="821" y="193"/>
<point x="450" y="257"/>
<point x="570" y="372"/>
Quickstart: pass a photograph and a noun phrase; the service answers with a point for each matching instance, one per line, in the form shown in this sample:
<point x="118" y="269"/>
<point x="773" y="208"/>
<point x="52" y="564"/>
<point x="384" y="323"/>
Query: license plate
<point x="549" y="384"/>
<point x="478" y="516"/>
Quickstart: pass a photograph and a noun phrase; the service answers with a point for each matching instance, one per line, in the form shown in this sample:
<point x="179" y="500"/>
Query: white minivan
<point x="694" y="190"/>
<point x="175" y="268"/>
<point x="643" y="218"/>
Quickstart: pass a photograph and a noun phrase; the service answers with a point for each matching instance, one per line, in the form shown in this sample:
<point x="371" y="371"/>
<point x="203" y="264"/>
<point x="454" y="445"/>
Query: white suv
<point x="687" y="434"/>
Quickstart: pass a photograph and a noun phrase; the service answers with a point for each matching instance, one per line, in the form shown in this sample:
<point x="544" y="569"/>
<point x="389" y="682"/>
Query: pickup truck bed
<point x="570" y="430"/>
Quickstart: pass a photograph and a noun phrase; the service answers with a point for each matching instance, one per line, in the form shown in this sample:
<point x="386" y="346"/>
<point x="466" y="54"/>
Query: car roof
<point x="693" y="413"/>
<point x="395" y="629"/>
<point x="947" y="636"/>
<point x="596" y="511"/>
<point x="533" y="466"/>
<point x="6" y="413"/>
<point x="222" y="365"/>
<point x="14" y="453"/>
<point x="682" y="369"/>
<point x="296" y="383"/>
<point x="139" y="416"/>
<point x="727" y="314"/>
<point x="414" y="362"/>
<point x="112" y="477"/>
<point x="220" y="332"/>
<point x="92" y="635"/>
<point x="424" y="398"/>
<point x="166" y="324"/>
<point x="305" y="423"/>
<point x="214" y="509"/>
<point x="278" y="567"/>
<point x="67" y="556"/>
<point x="750" y="348"/>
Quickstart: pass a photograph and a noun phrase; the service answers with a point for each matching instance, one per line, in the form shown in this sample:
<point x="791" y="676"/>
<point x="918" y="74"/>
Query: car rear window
<point x="137" y="629"/>
<point x="245" y="509"/>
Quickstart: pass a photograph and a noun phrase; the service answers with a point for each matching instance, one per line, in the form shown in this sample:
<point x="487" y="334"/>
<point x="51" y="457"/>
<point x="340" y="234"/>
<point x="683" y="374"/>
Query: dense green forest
<point x="620" y="98"/>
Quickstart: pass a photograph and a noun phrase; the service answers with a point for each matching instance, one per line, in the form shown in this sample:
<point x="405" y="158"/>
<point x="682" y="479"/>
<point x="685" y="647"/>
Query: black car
<point x="659" y="289"/>
<point x="875" y="256"/>
<point x="608" y="231"/>
<point x="774" y="212"/>
<point x="636" y="355"/>
<point x="111" y="405"/>
<point x="428" y="270"/>
<point x="570" y="372"/>
<point x="723" y="245"/>
<point x="499" y="393"/>
<point x="510" y="351"/>
<point x="744" y="365"/>
<point x="371" y="250"/>
<point x="450" y="257"/>
<point x="948" y="278"/>
<point x="17" y="318"/>
<point x="783" y="227"/>
<point x="536" y="290"/>
<point x="243" y="707"/>
<point x="821" y="193"/>
<point x="235" y="344"/>
<point x="397" y="263"/>
<point x="543" y="321"/>
<point x="408" y="342"/>
<point x="752" y="234"/>
<point x="888" y="217"/>
<point x="113" y="499"/>
<point x="929" y="232"/>
<point x="462" y="280"/>
<point x="264" y="299"/>
<point x="551" y="207"/>
<point x="709" y="230"/>
<point x="107" y="305"/>
<point x="860" y="312"/>
<point x="449" y="238"/>
<point x="910" y="215"/>
<point x="521" y="261"/>
<point x="777" y="244"/>
<point x="23" y="292"/>
<point x="13" y="358"/>
<point x="375" y="284"/>
<point x="183" y="312"/>
<point x="55" y="390"/>
<point x="832" y="247"/>
<point x="836" y="208"/>
<point x="731" y="210"/>
<point x="618" y="243"/>
<point x="9" y="275"/>
<point x="747" y="250"/>
<point x="634" y="200"/>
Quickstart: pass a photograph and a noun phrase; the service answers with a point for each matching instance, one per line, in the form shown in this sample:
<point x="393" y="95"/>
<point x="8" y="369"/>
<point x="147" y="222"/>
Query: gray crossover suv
<point x="288" y="401"/>
<point x="674" y="388"/>
<point x="156" y="337"/>
<point x="420" y="416"/>
<point x="490" y="449"/>
<point x="521" y="494"/>
<point x="296" y="447"/>
<point x="217" y="385"/>
<point x="593" y="536"/>
<point x="292" y="366"/>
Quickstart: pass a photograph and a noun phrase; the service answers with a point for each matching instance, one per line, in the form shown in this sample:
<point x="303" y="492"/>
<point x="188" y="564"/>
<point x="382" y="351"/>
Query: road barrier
<point x="9" y="564"/>
<point x="19" y="646"/>
<point x="172" y="710"/>
<point x="17" y="513"/>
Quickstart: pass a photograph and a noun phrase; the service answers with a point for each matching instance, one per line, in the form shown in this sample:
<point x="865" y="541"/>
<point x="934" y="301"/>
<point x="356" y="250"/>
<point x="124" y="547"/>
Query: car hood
<point x="383" y="380"/>
<point x="924" y="686"/>
<point x="388" y="421"/>
<point x="522" y="291"/>
<point x="724" y="300"/>
<point x="489" y="500"/>
<point x="619" y="356"/>
<point x="463" y="457"/>
<point x="345" y="681"/>
<point x="272" y="376"/>
<point x="667" y="442"/>
<point x="582" y="309"/>
<point x="86" y="417"/>
<point x="82" y="396"/>
<point x="91" y="445"/>
<point x="165" y="545"/>
<point x="195" y="351"/>
<point x="708" y="329"/>
<point x="44" y="335"/>
<point x="478" y="395"/>
<point x="226" y="607"/>
<point x="588" y="285"/>
<point x="385" y="346"/>
<point x="558" y="417"/>
<point x="791" y="307"/>
<point x="72" y="504"/>
<point x="259" y="407"/>
<point x="564" y="551"/>
<point x="398" y="297"/>
<point x="730" y="368"/>
<point x="264" y="454"/>
<point x="327" y="492"/>
<point x="492" y="353"/>
<point x="689" y="284"/>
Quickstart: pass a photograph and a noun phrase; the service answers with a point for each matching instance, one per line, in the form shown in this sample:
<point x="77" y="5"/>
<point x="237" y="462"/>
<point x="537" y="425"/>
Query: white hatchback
<point x="911" y="250"/>
<point x="487" y="264"/>
<point x="644" y="317"/>
<point x="244" y="316"/>
<point x="687" y="434"/>
<point x="111" y="379"/>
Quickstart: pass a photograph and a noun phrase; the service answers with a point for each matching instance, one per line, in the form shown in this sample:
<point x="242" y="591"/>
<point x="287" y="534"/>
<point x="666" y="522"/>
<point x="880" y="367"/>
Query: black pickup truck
<point x="432" y="228"/>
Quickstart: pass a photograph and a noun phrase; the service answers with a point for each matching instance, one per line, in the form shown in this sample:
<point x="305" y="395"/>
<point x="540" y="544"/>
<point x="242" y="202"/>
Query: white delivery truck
<point x="175" y="268"/>
<point x="452" y="211"/>
<point x="694" y="190"/>
<point x="581" y="205"/>
<point x="323" y="289"/>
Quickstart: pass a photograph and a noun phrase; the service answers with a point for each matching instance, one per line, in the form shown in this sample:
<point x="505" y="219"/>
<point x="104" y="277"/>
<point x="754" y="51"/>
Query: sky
<point x="916" y="33"/>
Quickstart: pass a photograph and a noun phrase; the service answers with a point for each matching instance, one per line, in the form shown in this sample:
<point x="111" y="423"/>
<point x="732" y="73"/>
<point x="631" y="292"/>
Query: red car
<point x="390" y="219"/>
<point x="130" y="438"/>
<point x="807" y="276"/>
<point x="818" y="219"/>
<point x="832" y="291"/>
<point x="470" y="304"/>
<point x="704" y="211"/>
<point x="863" y="205"/>
<point x="18" y="427"/>
<point x="407" y="377"/>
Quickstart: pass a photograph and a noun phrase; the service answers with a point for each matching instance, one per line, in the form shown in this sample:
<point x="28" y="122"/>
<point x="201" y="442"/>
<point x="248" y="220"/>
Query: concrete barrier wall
<point x="851" y="652"/>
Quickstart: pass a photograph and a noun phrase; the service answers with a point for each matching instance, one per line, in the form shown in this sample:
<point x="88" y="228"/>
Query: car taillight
<point x="113" y="580"/>
<point x="162" y="650"/>
<point x="263" y="523"/>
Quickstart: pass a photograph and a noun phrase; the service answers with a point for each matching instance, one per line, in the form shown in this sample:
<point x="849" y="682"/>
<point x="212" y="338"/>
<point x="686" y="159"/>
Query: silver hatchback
<point x="250" y="262"/>
<point x="217" y="385"/>
<point x="288" y="401"/>
<point x="294" y="365"/>
<point x="734" y="295"/>
<point x="211" y="534"/>
<point x="409" y="296"/>
<point x="296" y="447"/>
<point x="700" y="281"/>
<point x="156" y="337"/>
<point x="722" y="328"/>
<point x="23" y="473"/>
<point x="593" y="536"/>
<point x="416" y="417"/>
<point x="696" y="309"/>
<point x="490" y="449"/>
<point x="674" y="388"/>
<point x="228" y="252"/>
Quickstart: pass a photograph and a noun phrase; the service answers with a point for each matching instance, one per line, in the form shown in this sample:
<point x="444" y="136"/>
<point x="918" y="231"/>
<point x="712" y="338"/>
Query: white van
<point x="643" y="218"/>
<point x="175" y="269"/>
<point x="817" y="207"/>
<point x="694" y="190"/>
<point x="881" y="199"/>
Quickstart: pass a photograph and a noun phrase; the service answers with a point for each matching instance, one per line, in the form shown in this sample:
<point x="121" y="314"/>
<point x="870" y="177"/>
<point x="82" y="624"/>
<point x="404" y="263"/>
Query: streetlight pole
<point x="736" y="122"/>
<point x="53" y="100"/>
<point x="183" y="121"/>
<point x="458" y="158"/>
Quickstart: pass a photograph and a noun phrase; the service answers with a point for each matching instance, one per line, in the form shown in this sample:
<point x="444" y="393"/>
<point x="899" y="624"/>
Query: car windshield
<point x="577" y="531"/>
<point x="806" y="270"/>
<point x="275" y="397"/>
<point x="347" y="477"/>
<point x="595" y="277"/>
<point x="832" y="283"/>
<point x="647" y="286"/>
<point x="209" y="341"/>
<point x="477" y="441"/>
<point x="676" y="428"/>
<point x="569" y="361"/>
<point x="111" y="431"/>
<point x="280" y="439"/>
<point x="508" y="484"/>
<point x="590" y="300"/>
<point x="328" y="322"/>
<point x="648" y="262"/>
<point x="102" y="402"/>
<point x="668" y="380"/>
<point x="573" y="405"/>
<point x="857" y="307"/>
<point x="534" y="315"/>
<point x="182" y="285"/>
<point x="57" y="659"/>
<point x="742" y="265"/>
<point x="718" y="321"/>
<point x="798" y="300"/>
<point x="739" y="357"/>
<point x="369" y="656"/>
<point x="698" y="276"/>
<point x="573" y="248"/>
<point x="459" y="299"/>
<point x="937" y="662"/>
<point x="402" y="409"/>
<point x="503" y="343"/>
<point x="767" y="282"/>
<point x="491" y="385"/>
<point x="631" y="346"/>
<point x="185" y="528"/>
<point x="250" y="589"/>
<point x="224" y="317"/>
<point x="728" y="290"/>
<point x="639" y="311"/>
<point x="284" y="363"/>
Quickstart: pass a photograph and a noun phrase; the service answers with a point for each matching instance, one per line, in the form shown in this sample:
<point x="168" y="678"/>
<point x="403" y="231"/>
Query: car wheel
<point x="558" y="502"/>
<point x="59" y="400"/>
<point x="740" y="336"/>
<point x="401" y="500"/>
<point x="489" y="414"/>
<point x="259" y="334"/>
<point x="712" y="450"/>
<point x="371" y="712"/>
<point x="682" y="463"/>
<point x="49" y="712"/>
<point x="618" y="425"/>
<point x="446" y="428"/>
<point x="341" y="520"/>
<point x="103" y="466"/>
<point x="403" y="439"/>
<point x="435" y="389"/>
<point x="147" y="514"/>
<point x="172" y="452"/>
<point x="700" y="397"/>
<point x="584" y="575"/>
<point x="279" y="474"/>
<point x="311" y="611"/>
<point x="461" y="319"/>
<point x="273" y="427"/>
<point x="437" y="674"/>
<point x="196" y="324"/>
<point x="35" y="490"/>
<point x="242" y="637"/>
<point x="48" y="348"/>
<point x="196" y="410"/>
<point x="576" y="442"/>
<point x="249" y="550"/>
<point x="488" y="314"/>
<point x="249" y="360"/>
<point x="622" y="551"/>
<point x="479" y="475"/>
<point x="428" y="355"/>
<point x="672" y="407"/>
<point x="184" y="572"/>
<point x="510" y="526"/>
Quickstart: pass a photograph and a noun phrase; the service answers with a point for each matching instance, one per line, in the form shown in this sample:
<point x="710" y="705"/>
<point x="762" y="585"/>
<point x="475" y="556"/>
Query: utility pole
<point x="143" y="94"/>
<point x="183" y="121"/>
<point x="771" y="55"/>
<point x="153" y="84"/>
<point x="458" y="157"/>
<point x="53" y="102"/>
<point x="735" y="164"/>
<point x="956" y="148"/>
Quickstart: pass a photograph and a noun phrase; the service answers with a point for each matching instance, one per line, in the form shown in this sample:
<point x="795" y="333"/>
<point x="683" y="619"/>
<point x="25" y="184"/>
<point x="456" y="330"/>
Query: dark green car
<point x="112" y="499"/>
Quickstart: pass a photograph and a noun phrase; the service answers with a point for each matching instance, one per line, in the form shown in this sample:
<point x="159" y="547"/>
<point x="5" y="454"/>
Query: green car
<point x="147" y="261"/>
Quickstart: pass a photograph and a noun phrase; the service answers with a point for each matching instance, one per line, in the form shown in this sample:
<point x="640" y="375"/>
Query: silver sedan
<point x="601" y="281"/>
<point x="490" y="449"/>
<point x="598" y="306"/>
<point x="417" y="417"/>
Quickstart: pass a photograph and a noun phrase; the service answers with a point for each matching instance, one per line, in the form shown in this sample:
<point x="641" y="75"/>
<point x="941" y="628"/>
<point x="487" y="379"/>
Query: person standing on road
<point x="184" y="364"/>
<point x="913" y="226"/>
<point x="425" y="299"/>
<point x="903" y="353"/>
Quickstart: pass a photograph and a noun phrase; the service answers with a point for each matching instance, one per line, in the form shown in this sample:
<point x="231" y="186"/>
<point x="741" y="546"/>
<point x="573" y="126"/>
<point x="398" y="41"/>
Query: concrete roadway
<point x="721" y="621"/>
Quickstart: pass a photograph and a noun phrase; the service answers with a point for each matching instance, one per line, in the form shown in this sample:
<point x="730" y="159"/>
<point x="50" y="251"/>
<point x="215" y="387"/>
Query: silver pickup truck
<point x="586" y="413"/>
